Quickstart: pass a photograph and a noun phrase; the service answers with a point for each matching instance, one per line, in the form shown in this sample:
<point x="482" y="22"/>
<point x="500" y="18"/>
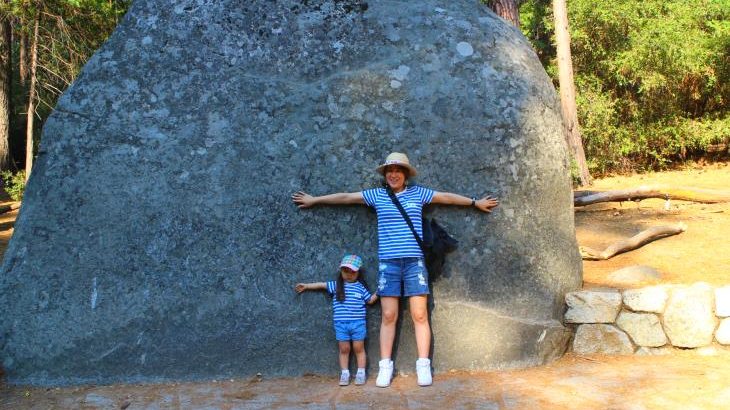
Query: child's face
<point x="348" y="274"/>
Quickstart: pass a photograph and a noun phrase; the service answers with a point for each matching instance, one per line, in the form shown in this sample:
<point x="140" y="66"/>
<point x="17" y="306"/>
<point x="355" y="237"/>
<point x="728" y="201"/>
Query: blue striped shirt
<point x="353" y="307"/>
<point x="395" y="239"/>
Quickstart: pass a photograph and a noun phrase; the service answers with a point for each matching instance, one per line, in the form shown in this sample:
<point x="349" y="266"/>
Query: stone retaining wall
<point x="649" y="320"/>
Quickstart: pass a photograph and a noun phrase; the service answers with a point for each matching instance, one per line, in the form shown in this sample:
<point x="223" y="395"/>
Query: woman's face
<point x="348" y="275"/>
<point x="395" y="177"/>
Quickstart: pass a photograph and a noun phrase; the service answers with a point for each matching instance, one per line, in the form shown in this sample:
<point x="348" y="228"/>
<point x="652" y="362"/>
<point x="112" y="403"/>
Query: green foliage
<point x="652" y="77"/>
<point x="70" y="31"/>
<point x="14" y="184"/>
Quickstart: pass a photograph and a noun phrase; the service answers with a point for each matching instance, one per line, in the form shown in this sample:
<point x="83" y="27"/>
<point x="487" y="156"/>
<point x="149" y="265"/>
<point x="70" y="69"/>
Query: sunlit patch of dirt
<point x="702" y="253"/>
<point x="7" y="221"/>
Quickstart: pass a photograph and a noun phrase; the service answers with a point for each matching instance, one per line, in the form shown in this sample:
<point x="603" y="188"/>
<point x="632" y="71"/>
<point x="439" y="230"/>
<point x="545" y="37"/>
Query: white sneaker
<point x="344" y="378"/>
<point x="360" y="378"/>
<point x="423" y="370"/>
<point x="385" y="373"/>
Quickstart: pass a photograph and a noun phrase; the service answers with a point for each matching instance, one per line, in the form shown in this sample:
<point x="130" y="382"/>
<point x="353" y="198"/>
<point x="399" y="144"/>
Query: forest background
<point x="652" y="77"/>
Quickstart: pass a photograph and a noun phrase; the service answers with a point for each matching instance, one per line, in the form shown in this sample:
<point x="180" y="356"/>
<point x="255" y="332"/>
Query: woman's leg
<point x="419" y="314"/>
<point x="389" y="307"/>
<point x="344" y="355"/>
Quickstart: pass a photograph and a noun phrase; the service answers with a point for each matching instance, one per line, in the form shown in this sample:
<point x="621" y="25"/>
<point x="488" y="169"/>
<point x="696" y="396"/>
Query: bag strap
<point x="407" y="218"/>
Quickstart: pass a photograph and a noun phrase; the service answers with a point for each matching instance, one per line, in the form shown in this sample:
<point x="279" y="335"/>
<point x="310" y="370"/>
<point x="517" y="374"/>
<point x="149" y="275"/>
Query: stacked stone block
<point x="649" y="320"/>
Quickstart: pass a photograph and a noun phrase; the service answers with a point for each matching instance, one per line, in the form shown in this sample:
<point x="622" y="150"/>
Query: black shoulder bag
<point x="436" y="242"/>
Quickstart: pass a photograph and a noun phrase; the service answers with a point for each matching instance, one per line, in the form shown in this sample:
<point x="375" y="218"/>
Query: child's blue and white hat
<point x="351" y="261"/>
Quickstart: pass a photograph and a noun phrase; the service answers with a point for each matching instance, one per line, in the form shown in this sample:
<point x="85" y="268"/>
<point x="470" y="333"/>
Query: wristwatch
<point x="473" y="201"/>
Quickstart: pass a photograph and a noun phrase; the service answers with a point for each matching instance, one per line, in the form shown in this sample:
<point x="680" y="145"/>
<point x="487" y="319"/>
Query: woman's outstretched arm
<point x="304" y="200"/>
<point x="447" y="198"/>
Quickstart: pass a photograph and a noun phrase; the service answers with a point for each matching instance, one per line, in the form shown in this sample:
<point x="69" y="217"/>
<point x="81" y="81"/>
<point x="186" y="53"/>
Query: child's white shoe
<point x="360" y="377"/>
<point x="385" y="373"/>
<point x="344" y="378"/>
<point x="423" y="370"/>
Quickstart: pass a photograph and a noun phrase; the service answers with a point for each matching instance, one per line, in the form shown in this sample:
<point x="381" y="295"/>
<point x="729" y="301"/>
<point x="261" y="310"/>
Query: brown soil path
<point x="683" y="380"/>
<point x="7" y="221"/>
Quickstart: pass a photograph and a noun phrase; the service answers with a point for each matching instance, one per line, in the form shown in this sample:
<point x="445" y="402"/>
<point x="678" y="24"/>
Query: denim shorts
<point x="346" y="330"/>
<point x="402" y="277"/>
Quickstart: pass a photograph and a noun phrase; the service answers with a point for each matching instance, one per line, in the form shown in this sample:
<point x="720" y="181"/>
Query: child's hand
<point x="301" y="287"/>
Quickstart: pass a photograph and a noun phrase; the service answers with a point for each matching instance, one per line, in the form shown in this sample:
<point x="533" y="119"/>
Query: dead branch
<point x="706" y="196"/>
<point x="634" y="242"/>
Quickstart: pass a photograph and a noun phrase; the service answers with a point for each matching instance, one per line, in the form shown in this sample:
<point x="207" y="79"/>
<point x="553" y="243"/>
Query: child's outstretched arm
<point x="304" y="200"/>
<point x="373" y="299"/>
<point x="301" y="287"/>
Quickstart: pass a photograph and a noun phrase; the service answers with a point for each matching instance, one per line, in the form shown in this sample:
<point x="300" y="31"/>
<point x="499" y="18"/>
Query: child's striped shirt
<point x="353" y="307"/>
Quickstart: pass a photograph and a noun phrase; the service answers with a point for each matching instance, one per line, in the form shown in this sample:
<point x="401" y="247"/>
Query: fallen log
<point x="705" y="196"/>
<point x="8" y="208"/>
<point x="634" y="242"/>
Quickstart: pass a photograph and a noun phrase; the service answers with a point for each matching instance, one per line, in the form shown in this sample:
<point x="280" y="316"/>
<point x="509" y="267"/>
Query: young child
<point x="349" y="297"/>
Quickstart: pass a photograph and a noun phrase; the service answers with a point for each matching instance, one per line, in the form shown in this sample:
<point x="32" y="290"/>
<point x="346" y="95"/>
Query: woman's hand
<point x="302" y="199"/>
<point x="447" y="198"/>
<point x="486" y="204"/>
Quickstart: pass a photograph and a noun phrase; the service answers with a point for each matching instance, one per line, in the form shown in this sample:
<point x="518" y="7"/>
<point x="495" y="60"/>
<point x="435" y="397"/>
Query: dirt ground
<point x="683" y="380"/>
<point x="700" y="254"/>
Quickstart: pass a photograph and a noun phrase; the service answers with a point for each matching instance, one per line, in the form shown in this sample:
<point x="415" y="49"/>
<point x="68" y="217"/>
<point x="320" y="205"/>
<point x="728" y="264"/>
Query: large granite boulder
<point x="157" y="239"/>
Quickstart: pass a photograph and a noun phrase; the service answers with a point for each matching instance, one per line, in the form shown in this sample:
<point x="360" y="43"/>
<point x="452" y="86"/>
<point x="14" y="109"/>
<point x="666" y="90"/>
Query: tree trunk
<point x="23" y="57"/>
<point x="567" y="90"/>
<point x="6" y="71"/>
<point x="31" y="99"/>
<point x="507" y="9"/>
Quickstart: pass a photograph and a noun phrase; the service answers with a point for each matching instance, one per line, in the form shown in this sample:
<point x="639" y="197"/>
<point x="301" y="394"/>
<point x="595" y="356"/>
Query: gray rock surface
<point x="643" y="328"/>
<point x="722" y="334"/>
<point x="157" y="239"/>
<point x="648" y="299"/>
<point x="722" y="301"/>
<point x="601" y="339"/>
<point x="653" y="351"/>
<point x="593" y="306"/>
<point x="689" y="320"/>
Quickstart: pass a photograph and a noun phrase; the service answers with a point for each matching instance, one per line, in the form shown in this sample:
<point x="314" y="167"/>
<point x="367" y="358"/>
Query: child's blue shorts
<point x="346" y="330"/>
<point x="410" y="273"/>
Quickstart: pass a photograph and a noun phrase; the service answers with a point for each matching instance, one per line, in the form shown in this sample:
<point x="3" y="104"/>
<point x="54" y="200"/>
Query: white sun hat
<point x="400" y="159"/>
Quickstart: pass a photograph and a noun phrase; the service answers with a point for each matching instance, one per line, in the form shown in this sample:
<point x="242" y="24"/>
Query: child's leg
<point x="359" y="347"/>
<point x="344" y="354"/>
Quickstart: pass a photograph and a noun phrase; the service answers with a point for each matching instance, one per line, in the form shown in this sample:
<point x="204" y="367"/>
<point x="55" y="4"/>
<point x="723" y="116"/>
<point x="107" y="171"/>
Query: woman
<point x="400" y="256"/>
